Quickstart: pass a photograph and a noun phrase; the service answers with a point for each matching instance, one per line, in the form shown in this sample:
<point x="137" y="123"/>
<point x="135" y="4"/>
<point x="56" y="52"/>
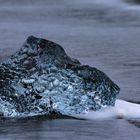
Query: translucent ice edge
<point x="122" y="109"/>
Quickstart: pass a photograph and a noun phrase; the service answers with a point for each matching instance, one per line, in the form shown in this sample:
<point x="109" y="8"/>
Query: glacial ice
<point x="41" y="79"/>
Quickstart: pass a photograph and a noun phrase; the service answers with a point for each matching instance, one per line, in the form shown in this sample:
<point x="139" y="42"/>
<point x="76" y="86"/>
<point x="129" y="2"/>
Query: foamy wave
<point x="122" y="109"/>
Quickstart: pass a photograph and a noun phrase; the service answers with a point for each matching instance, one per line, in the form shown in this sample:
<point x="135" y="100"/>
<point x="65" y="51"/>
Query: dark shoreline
<point x="133" y="1"/>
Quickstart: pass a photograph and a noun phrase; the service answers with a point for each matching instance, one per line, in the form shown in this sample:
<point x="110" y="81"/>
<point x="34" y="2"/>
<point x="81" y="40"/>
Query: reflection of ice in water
<point x="122" y="109"/>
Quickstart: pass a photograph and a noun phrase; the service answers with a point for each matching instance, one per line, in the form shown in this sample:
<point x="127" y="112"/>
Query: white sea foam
<point x="122" y="109"/>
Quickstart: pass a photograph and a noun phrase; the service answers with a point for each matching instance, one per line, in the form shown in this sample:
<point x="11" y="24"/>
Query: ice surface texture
<point x="41" y="78"/>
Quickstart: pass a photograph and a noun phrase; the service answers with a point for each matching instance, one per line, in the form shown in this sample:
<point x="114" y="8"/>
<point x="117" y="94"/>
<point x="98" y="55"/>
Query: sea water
<point x="113" y="49"/>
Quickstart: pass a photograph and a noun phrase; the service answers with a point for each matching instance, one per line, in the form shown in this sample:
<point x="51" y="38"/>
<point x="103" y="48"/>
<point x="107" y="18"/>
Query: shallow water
<point x="69" y="129"/>
<point x="102" y="34"/>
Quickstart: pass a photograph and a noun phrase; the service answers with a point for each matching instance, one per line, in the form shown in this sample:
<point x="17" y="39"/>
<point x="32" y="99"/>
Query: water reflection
<point x="67" y="129"/>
